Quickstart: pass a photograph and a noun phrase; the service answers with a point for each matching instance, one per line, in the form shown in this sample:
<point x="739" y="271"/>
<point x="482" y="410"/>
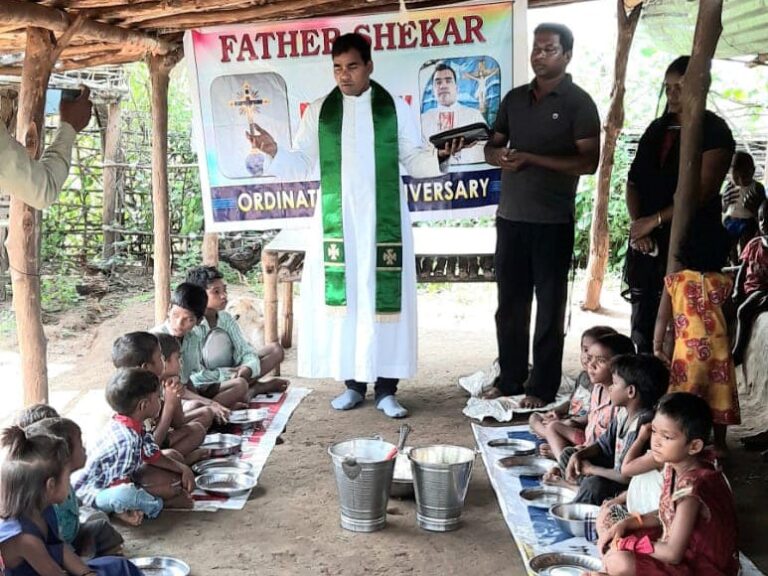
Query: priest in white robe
<point x="367" y="336"/>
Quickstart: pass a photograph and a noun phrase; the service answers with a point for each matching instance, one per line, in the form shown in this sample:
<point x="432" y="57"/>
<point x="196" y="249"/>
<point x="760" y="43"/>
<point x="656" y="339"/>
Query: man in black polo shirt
<point x="547" y="134"/>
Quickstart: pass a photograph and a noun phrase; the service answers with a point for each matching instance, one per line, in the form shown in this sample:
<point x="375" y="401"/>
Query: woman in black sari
<point x="650" y="193"/>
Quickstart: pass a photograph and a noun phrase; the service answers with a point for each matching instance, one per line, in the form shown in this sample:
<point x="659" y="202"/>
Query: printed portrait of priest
<point x="446" y="112"/>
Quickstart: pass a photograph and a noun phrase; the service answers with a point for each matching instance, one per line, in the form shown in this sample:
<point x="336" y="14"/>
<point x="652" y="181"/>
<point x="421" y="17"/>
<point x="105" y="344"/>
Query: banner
<point x="451" y="65"/>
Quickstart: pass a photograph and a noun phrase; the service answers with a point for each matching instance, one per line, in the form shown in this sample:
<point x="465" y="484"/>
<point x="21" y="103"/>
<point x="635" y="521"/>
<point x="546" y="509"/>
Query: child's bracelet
<point x="639" y="519"/>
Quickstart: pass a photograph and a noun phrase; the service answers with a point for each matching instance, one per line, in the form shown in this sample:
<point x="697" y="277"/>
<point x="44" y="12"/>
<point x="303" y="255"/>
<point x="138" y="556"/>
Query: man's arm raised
<point x="38" y="183"/>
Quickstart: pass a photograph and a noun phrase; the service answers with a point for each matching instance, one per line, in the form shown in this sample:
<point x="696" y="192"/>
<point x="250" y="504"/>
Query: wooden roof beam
<point x="285" y="9"/>
<point x="17" y="12"/>
<point x="111" y="58"/>
<point x="187" y="20"/>
<point x="133" y="13"/>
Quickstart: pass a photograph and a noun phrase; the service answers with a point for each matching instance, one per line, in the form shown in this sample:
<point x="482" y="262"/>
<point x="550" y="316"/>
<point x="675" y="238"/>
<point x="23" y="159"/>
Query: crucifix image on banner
<point x="247" y="103"/>
<point x="241" y="103"/>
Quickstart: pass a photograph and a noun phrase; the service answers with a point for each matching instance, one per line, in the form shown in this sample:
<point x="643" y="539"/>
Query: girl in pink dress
<point x="694" y="532"/>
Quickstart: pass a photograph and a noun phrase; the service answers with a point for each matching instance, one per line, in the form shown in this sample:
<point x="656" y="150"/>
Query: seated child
<point x="751" y="286"/>
<point x="638" y="383"/>
<point x="95" y="536"/>
<point x="600" y="408"/>
<point x="695" y="530"/>
<point x="170" y="349"/>
<point x="33" y="477"/>
<point x="188" y="305"/>
<point x="183" y="432"/>
<point x="642" y="495"/>
<point x="741" y="199"/>
<point x="34" y="413"/>
<point x="225" y="349"/>
<point x="126" y="473"/>
<point x="564" y="426"/>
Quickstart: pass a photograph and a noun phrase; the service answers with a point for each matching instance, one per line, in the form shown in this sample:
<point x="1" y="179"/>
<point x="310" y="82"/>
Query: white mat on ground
<point x="504" y="409"/>
<point x="533" y="530"/>
<point x="256" y="447"/>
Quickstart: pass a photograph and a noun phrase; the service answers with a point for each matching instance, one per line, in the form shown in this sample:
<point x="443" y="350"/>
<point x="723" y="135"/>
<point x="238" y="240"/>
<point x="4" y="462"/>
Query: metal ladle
<point x="404" y="431"/>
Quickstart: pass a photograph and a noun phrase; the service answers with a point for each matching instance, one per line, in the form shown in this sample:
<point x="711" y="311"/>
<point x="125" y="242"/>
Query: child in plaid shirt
<point x="126" y="473"/>
<point x="176" y="428"/>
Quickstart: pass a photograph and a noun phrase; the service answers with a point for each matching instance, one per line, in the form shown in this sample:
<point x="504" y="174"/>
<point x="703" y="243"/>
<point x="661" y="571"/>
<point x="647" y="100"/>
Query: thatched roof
<point x="119" y="31"/>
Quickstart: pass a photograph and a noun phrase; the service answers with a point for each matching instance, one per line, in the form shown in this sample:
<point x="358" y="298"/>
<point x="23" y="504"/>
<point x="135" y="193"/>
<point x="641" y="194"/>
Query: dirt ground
<point x="291" y="523"/>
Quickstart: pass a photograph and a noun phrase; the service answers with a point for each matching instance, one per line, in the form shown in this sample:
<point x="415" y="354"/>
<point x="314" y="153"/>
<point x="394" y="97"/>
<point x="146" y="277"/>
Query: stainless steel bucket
<point x="363" y="478"/>
<point x="440" y="478"/>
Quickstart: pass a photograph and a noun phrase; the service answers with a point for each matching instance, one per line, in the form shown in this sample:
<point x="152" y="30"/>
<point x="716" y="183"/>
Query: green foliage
<point x="7" y="322"/>
<point x="191" y="258"/>
<point x="230" y="274"/>
<point x="184" y="193"/>
<point x="67" y="227"/>
<point x="58" y="292"/>
<point x="618" y="217"/>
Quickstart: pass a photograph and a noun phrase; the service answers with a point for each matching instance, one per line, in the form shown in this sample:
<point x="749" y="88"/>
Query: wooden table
<point x="429" y="244"/>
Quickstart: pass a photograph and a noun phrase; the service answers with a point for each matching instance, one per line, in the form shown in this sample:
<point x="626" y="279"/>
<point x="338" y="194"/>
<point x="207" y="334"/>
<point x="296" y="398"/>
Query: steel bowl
<point x="546" y="496"/>
<point x="514" y="446"/>
<point x="250" y="417"/>
<point x="564" y="564"/>
<point x="226" y="484"/>
<point x="161" y="566"/>
<point x="573" y="517"/>
<point x="221" y="444"/>
<point x="225" y="465"/>
<point x="531" y="466"/>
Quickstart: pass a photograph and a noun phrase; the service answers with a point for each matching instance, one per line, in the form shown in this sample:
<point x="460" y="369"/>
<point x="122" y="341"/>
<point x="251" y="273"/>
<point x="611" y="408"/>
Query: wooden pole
<point x="159" y="74"/>
<point x="111" y="178"/>
<point x="24" y="232"/>
<point x="211" y="249"/>
<point x="286" y="340"/>
<point x="269" y="271"/>
<point x="599" y="233"/>
<point x="21" y="13"/>
<point x="694" y="99"/>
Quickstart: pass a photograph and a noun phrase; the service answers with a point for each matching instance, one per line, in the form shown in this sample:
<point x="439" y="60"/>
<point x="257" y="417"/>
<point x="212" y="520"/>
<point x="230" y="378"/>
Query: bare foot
<point x="559" y="482"/>
<point x="130" y="517"/>
<point x="532" y="402"/>
<point x="196" y="455"/>
<point x="270" y="386"/>
<point x="492" y="394"/>
<point x="546" y="451"/>
<point x="181" y="501"/>
<point x="554" y="475"/>
<point x="555" y="478"/>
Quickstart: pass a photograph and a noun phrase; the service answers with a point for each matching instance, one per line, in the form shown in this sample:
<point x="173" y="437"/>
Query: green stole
<point x="389" y="241"/>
